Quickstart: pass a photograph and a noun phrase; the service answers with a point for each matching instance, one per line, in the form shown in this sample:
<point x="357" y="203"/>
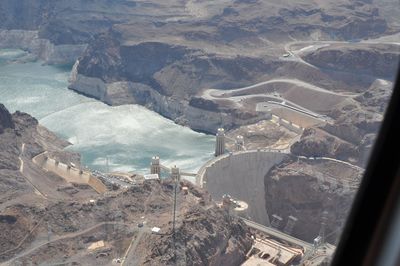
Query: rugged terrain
<point x="209" y="64"/>
<point x="45" y="220"/>
<point x="305" y="189"/>
<point x="163" y="55"/>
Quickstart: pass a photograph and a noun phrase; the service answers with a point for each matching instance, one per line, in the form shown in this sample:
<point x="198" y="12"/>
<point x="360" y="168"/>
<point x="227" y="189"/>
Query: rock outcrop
<point x="5" y="119"/>
<point x="205" y="235"/>
<point x="205" y="238"/>
<point x="33" y="200"/>
<point x="168" y="56"/>
<point x="305" y="189"/>
<point x="379" y="61"/>
<point x="318" y="143"/>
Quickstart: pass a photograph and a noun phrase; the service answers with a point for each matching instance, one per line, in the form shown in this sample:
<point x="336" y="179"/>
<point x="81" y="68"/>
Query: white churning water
<point x="128" y="135"/>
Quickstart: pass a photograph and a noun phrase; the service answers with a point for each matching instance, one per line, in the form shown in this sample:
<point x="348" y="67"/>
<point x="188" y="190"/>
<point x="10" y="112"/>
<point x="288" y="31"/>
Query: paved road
<point x="333" y="160"/>
<point x="27" y="173"/>
<point x="213" y="94"/>
<point x="58" y="238"/>
<point x="129" y="258"/>
<point x="24" y="239"/>
<point x="216" y="93"/>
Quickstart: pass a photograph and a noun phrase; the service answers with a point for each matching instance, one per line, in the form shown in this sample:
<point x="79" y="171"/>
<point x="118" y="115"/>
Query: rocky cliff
<point x="378" y="61"/>
<point x="305" y="189"/>
<point x="206" y="235"/>
<point x="351" y="135"/>
<point x="34" y="201"/>
<point x="205" y="238"/>
<point x="167" y="56"/>
<point x="315" y="142"/>
<point x="5" y="119"/>
<point x="20" y="129"/>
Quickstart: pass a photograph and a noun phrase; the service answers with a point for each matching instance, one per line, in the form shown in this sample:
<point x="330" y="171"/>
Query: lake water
<point x="125" y="136"/>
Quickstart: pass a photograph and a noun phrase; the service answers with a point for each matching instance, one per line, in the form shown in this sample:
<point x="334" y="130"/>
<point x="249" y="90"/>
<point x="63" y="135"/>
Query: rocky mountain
<point x="210" y="238"/>
<point x="205" y="237"/>
<point x="5" y="119"/>
<point x="148" y="53"/>
<point x="307" y="188"/>
<point x="364" y="59"/>
<point x="45" y="220"/>
<point x="315" y="142"/>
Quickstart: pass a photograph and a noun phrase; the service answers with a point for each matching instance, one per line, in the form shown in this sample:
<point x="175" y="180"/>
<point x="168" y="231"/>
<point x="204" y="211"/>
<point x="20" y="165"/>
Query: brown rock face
<point x="8" y="141"/>
<point x="305" y="189"/>
<point x="377" y="62"/>
<point x="209" y="237"/>
<point x="317" y="143"/>
<point x="5" y="119"/>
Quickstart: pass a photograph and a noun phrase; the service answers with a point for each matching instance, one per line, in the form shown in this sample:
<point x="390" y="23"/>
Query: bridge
<point x="278" y="234"/>
<point x="156" y="168"/>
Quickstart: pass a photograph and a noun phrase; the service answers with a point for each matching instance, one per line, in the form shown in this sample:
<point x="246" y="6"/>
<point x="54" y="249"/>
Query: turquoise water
<point x="127" y="135"/>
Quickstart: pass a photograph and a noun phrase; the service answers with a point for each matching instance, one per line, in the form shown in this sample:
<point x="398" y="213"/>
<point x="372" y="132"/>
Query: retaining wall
<point x="70" y="174"/>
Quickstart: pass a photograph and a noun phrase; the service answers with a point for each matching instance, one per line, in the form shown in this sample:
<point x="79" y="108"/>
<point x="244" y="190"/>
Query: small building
<point x="155" y="230"/>
<point x="269" y="252"/>
<point x="96" y="245"/>
<point x="151" y="177"/>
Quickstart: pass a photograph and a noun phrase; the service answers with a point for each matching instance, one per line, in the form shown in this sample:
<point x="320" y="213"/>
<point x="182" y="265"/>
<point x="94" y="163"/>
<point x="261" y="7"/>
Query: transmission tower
<point x="324" y="220"/>
<point x="176" y="177"/>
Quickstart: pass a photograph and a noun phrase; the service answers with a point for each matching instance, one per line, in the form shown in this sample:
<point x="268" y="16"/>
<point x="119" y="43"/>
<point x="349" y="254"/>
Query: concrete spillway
<point x="241" y="175"/>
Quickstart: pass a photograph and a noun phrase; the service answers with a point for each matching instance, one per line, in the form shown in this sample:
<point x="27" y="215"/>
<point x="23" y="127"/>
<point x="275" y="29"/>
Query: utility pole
<point x="175" y="175"/>
<point x="324" y="220"/>
<point x="173" y="222"/>
<point x="179" y="257"/>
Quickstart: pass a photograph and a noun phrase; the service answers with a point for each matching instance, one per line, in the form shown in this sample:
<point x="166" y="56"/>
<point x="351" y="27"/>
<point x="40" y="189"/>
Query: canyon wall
<point x="179" y="110"/>
<point x="305" y="189"/>
<point x="43" y="49"/>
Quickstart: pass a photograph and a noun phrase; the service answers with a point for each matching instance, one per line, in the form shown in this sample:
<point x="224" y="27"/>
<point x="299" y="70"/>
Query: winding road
<point x="58" y="238"/>
<point x="26" y="173"/>
<point x="216" y="93"/>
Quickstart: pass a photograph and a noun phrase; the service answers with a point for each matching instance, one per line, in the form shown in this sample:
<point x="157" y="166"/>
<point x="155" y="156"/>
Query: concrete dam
<point x="241" y="175"/>
<point x="69" y="173"/>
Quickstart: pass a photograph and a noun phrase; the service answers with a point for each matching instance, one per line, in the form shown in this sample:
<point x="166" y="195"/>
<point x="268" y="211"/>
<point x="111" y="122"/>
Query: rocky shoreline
<point x="179" y="110"/>
<point x="121" y="92"/>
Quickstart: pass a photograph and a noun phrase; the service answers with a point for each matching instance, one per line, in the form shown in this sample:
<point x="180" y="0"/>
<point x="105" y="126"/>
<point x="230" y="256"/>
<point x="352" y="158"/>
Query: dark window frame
<point x="363" y="238"/>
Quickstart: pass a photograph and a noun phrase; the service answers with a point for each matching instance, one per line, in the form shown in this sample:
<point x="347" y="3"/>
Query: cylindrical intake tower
<point x="239" y="143"/>
<point x="220" y="142"/>
<point x="155" y="165"/>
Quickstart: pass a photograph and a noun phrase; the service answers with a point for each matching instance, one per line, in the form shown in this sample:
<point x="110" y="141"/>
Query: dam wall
<point x="241" y="175"/>
<point x="69" y="173"/>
